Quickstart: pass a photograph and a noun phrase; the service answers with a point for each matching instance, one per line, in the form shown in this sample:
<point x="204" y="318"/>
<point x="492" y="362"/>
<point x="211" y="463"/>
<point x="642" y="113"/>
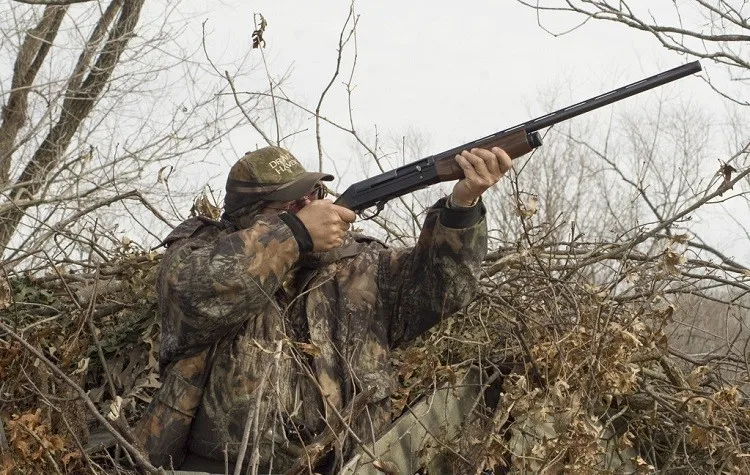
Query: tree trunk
<point x="78" y="103"/>
<point x="30" y="57"/>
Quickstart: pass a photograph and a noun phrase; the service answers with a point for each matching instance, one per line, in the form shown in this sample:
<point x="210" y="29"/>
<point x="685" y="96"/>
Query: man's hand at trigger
<point x="327" y="223"/>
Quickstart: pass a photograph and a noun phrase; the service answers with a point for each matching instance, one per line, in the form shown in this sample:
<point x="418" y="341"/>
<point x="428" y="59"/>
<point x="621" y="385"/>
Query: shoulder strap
<point x="357" y="244"/>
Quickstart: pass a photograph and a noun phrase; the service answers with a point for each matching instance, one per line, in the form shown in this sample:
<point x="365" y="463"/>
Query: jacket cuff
<point x="461" y="218"/>
<point x="300" y="232"/>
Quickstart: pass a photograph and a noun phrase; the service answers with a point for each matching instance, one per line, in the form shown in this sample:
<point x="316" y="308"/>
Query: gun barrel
<point x="588" y="105"/>
<point x="610" y="97"/>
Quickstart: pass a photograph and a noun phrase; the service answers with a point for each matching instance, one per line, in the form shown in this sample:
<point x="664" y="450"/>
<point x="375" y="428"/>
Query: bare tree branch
<point x="340" y="51"/>
<point x="143" y="463"/>
<point x="717" y="30"/>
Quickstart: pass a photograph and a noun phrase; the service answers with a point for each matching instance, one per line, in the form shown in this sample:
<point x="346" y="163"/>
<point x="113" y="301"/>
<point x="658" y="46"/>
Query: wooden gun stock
<point x="515" y="145"/>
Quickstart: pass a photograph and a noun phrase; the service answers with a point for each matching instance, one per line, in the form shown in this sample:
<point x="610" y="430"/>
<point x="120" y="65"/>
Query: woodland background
<point x="619" y="336"/>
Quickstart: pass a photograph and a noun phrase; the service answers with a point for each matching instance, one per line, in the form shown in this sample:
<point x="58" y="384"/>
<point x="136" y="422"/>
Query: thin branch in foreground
<point x="342" y="42"/>
<point x="262" y="44"/>
<point x="321" y="444"/>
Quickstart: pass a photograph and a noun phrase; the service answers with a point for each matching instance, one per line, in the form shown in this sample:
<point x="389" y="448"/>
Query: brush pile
<point x="605" y="359"/>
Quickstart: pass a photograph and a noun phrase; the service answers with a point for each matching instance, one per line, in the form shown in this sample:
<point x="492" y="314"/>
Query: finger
<point x="345" y="213"/>
<point x="469" y="172"/>
<point x="479" y="166"/>
<point x="490" y="160"/>
<point x="503" y="159"/>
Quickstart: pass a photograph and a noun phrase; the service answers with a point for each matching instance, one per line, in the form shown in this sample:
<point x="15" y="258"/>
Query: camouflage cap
<point x="268" y="174"/>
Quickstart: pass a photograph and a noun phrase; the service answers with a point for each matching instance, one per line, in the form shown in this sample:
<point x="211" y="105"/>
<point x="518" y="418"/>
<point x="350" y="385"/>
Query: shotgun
<point x="516" y="141"/>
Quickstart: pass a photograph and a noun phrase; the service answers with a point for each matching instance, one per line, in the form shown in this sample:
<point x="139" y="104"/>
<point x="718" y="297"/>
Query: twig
<point x="342" y="43"/>
<point x="226" y="75"/>
<point x="252" y="422"/>
<point x="3" y="439"/>
<point x="77" y="441"/>
<point x="153" y="209"/>
<point x="242" y="109"/>
<point x="663" y="225"/>
<point x="321" y="444"/>
<point x="89" y="320"/>
<point x="270" y="85"/>
<point x="92" y="329"/>
<point x="60" y="227"/>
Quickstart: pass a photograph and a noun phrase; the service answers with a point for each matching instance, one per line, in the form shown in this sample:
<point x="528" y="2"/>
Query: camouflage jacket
<point x="285" y="330"/>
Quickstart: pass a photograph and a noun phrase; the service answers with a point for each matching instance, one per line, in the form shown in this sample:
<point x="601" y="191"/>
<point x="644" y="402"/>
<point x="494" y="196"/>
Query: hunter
<point x="276" y="317"/>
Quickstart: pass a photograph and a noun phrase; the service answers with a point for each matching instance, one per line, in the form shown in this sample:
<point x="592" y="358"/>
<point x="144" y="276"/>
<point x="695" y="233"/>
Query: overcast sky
<point x="452" y="71"/>
<point x="449" y="71"/>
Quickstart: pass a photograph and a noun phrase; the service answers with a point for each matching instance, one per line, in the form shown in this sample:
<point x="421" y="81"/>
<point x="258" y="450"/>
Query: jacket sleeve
<point x="437" y="277"/>
<point x="209" y="285"/>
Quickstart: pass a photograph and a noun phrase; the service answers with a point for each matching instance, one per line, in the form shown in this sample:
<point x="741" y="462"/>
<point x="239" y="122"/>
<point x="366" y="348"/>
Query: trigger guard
<point x="379" y="206"/>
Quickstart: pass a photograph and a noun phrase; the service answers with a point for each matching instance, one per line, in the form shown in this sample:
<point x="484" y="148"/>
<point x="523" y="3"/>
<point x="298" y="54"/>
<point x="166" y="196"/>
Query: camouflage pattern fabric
<point x="294" y="337"/>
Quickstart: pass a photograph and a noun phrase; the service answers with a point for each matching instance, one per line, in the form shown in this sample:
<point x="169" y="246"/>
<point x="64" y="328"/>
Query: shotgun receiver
<point x="516" y="141"/>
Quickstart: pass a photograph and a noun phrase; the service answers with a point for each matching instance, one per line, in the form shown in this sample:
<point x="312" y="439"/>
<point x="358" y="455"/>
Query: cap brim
<point x="298" y="188"/>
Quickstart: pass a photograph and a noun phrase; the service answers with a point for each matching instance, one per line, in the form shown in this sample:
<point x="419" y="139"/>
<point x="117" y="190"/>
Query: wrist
<point x="455" y="217"/>
<point x="299" y="231"/>
<point x="454" y="203"/>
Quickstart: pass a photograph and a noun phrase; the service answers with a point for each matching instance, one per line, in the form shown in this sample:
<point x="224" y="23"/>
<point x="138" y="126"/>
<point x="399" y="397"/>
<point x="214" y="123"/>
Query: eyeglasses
<point x="318" y="193"/>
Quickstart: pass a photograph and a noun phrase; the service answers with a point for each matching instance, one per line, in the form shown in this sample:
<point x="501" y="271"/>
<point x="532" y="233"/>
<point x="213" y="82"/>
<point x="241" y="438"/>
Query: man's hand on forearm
<point x="482" y="169"/>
